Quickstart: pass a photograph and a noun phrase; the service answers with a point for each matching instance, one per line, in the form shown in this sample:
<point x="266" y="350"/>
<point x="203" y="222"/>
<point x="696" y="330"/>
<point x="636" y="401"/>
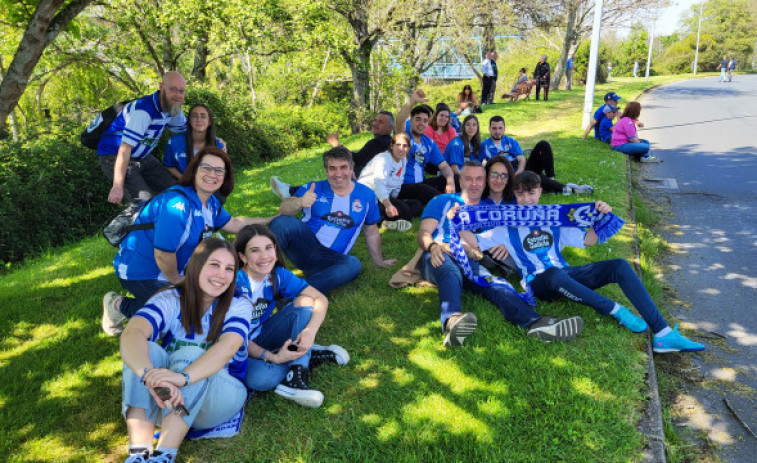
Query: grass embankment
<point x="403" y="397"/>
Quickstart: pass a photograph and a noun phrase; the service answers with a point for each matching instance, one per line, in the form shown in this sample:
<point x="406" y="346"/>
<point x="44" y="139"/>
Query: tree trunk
<point x="360" y="69"/>
<point x="201" y="57"/>
<point x="571" y="36"/>
<point x="43" y="27"/>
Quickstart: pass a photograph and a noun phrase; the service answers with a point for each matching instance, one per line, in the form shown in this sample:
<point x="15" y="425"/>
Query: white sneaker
<point x="328" y="354"/>
<point x="399" y="225"/>
<point x="113" y="320"/>
<point x="295" y="387"/>
<point x="582" y="189"/>
<point x="279" y="188"/>
<point x="649" y="159"/>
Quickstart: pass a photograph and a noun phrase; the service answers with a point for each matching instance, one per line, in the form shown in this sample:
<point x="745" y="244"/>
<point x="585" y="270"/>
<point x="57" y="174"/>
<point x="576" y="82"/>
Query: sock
<point x="140" y="448"/>
<point x="662" y="332"/>
<point x="615" y="309"/>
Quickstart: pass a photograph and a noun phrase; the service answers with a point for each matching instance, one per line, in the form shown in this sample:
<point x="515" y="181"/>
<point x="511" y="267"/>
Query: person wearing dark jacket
<point x="542" y="75"/>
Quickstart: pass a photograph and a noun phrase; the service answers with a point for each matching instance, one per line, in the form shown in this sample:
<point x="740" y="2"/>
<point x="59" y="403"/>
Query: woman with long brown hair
<point x="624" y="136"/>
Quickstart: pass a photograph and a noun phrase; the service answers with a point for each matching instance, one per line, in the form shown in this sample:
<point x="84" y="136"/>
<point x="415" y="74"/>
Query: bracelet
<point x="187" y="378"/>
<point x="142" y="379"/>
<point x="431" y="246"/>
<point x="262" y="356"/>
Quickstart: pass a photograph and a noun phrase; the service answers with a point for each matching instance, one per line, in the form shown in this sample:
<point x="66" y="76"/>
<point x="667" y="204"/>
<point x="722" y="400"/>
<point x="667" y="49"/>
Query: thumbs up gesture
<point x="309" y="197"/>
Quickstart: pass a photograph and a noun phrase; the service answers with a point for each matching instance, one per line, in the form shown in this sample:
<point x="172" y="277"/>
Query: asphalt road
<point x="705" y="132"/>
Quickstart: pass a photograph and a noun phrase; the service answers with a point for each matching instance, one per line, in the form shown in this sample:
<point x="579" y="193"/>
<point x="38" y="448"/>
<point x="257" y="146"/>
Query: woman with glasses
<point x="201" y="132"/>
<point x="175" y="222"/>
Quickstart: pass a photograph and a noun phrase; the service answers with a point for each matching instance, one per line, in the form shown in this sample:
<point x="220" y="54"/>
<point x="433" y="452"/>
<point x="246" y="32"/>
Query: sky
<point x="667" y="22"/>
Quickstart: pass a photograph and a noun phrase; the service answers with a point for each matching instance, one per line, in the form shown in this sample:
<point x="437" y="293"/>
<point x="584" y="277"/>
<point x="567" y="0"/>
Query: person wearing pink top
<point x="439" y="129"/>
<point x="624" y="137"/>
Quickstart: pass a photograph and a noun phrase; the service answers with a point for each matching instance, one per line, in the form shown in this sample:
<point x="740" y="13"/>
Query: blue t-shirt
<point x="261" y="297"/>
<point x="176" y="152"/>
<point x="163" y="311"/>
<point x="421" y="154"/>
<point x="509" y="148"/>
<point x="599" y="114"/>
<point x="569" y="63"/>
<point x="604" y="129"/>
<point x="140" y="124"/>
<point x="437" y="209"/>
<point x="181" y="223"/>
<point x="454" y="154"/>
<point x="335" y="220"/>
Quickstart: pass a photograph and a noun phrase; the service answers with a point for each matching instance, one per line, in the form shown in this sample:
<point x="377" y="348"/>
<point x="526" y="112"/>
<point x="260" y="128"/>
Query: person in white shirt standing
<point x="488" y="78"/>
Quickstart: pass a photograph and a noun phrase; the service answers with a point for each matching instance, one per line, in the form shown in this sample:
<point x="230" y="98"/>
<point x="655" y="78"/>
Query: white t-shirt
<point x="384" y="175"/>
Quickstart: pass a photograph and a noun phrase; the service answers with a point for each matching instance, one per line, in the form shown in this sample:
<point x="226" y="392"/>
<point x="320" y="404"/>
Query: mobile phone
<point x="165" y="394"/>
<point x="292" y="347"/>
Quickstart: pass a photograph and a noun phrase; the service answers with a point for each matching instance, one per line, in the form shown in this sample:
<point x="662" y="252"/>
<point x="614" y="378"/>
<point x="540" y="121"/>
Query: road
<point x="705" y="132"/>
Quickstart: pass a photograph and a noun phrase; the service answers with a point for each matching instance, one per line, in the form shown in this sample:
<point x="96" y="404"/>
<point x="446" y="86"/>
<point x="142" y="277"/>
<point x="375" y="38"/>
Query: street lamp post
<point x="699" y="29"/>
<point x="591" y="72"/>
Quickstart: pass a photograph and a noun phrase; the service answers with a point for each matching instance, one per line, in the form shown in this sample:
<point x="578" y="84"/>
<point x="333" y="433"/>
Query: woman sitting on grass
<point x="281" y="345"/>
<point x="384" y="175"/>
<point x="466" y="100"/>
<point x="439" y="128"/>
<point x="464" y="146"/>
<point x="624" y="138"/>
<point x="195" y="377"/>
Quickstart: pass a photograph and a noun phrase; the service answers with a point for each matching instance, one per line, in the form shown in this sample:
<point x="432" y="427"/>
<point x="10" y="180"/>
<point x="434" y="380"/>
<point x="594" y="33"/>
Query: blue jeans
<point x="450" y="282"/>
<point x="210" y="401"/>
<point x="634" y="149"/>
<point x="578" y="283"/>
<point x="142" y="291"/>
<point x="324" y="269"/>
<point x="284" y="324"/>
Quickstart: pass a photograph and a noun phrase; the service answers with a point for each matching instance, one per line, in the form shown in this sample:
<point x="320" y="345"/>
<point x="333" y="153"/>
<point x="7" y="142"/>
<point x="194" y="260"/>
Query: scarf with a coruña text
<point x="581" y="215"/>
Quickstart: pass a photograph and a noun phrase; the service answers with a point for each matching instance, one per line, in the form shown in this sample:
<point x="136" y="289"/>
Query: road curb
<point x="650" y="423"/>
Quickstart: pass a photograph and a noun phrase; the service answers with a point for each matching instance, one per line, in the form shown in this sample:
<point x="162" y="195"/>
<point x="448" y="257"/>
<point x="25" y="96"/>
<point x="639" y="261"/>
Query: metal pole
<point x="591" y="72"/>
<point x="699" y="29"/>
<point x="651" y="43"/>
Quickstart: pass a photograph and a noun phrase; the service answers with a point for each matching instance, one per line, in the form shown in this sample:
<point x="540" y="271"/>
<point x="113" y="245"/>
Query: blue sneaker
<point x="675" y="342"/>
<point x="629" y="320"/>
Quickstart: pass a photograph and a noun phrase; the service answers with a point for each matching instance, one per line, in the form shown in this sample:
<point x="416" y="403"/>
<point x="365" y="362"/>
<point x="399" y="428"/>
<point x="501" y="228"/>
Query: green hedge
<point x="53" y="192"/>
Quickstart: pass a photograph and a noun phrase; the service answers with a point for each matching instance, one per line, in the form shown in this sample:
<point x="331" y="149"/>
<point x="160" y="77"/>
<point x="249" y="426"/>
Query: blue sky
<point x="668" y="20"/>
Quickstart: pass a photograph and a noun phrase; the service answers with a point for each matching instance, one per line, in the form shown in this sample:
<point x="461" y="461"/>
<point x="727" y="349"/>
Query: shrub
<point x="53" y="192"/>
<point x="295" y="127"/>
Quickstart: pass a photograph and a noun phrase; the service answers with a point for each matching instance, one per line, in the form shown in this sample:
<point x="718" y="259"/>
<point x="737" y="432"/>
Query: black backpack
<point x="116" y="229"/>
<point x="90" y="137"/>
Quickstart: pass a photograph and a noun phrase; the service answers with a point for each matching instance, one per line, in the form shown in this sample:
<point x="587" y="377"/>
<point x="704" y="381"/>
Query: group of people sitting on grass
<point x="210" y="322"/>
<point x="621" y="136"/>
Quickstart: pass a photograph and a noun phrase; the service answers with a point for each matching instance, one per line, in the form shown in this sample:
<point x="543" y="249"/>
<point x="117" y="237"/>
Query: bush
<point x="53" y="192"/>
<point x="296" y="127"/>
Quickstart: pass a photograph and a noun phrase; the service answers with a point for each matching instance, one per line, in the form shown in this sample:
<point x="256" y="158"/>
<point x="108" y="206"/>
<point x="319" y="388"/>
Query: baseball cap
<point x="612" y="96"/>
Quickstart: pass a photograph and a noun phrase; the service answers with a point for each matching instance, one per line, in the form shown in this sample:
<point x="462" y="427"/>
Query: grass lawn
<point x="403" y="397"/>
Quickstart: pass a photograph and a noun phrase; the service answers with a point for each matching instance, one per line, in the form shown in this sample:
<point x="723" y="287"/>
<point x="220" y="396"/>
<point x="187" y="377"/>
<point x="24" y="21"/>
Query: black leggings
<point x="418" y="191"/>
<point x="407" y="209"/>
<point x="542" y="162"/>
<point x="542" y="83"/>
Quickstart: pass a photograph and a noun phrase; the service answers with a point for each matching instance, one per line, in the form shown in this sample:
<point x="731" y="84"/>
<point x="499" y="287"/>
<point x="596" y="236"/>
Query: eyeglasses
<point x="208" y="169"/>
<point x="201" y="117"/>
<point x="495" y="175"/>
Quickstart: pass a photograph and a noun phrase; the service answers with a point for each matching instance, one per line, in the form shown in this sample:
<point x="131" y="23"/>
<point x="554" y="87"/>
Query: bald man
<point x="125" y="148"/>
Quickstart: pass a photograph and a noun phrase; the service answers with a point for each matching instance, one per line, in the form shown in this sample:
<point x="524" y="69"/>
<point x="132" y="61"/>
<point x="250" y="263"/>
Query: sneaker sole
<point x="464" y="327"/>
<point x="667" y="351"/>
<point x="310" y="398"/>
<point x="276" y="191"/>
<point x="342" y="356"/>
<point x="562" y="331"/>
<point x="399" y="225"/>
<point x="106" y="321"/>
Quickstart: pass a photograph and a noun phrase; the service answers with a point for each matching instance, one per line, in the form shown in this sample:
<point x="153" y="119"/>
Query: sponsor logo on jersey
<point x="419" y="157"/>
<point x="537" y="240"/>
<point x="259" y="307"/>
<point x="357" y="206"/>
<point x="151" y="142"/>
<point x="339" y="219"/>
<point x="179" y="206"/>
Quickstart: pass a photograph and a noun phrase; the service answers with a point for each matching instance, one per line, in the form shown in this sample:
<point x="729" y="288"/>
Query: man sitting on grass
<point x="333" y="213"/>
<point x="438" y="267"/>
<point x="537" y="252"/>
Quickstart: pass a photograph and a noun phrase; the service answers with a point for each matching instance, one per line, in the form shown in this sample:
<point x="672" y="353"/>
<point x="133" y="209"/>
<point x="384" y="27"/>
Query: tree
<point x="49" y="18"/>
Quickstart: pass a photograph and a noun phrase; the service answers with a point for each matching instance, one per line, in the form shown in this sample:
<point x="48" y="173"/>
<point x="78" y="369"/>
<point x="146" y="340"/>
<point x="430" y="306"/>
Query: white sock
<point x="615" y="309"/>
<point x="663" y="332"/>
<point x="137" y="448"/>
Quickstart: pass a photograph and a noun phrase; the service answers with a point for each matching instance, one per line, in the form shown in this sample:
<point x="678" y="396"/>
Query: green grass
<point x="502" y="397"/>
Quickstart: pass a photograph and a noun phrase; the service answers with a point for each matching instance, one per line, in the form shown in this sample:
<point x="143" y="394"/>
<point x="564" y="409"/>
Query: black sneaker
<point x="138" y="456"/>
<point x="295" y="387"/>
<point x="459" y="326"/>
<point x="327" y="354"/>
<point x="556" y="329"/>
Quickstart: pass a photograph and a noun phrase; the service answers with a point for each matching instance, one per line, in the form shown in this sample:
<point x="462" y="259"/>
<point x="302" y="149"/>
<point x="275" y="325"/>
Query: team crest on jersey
<point x="259" y="307"/>
<point x="538" y="240"/>
<point x="151" y="142"/>
<point x="357" y="206"/>
<point x="339" y="219"/>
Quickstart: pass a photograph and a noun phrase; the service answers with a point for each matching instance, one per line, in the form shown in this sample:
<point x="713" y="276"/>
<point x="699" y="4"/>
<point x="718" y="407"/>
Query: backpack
<point x="90" y="137"/>
<point x="122" y="224"/>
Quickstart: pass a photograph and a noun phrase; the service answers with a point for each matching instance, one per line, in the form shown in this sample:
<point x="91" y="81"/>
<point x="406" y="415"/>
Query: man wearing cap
<point x="605" y="125"/>
<point x="611" y="99"/>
